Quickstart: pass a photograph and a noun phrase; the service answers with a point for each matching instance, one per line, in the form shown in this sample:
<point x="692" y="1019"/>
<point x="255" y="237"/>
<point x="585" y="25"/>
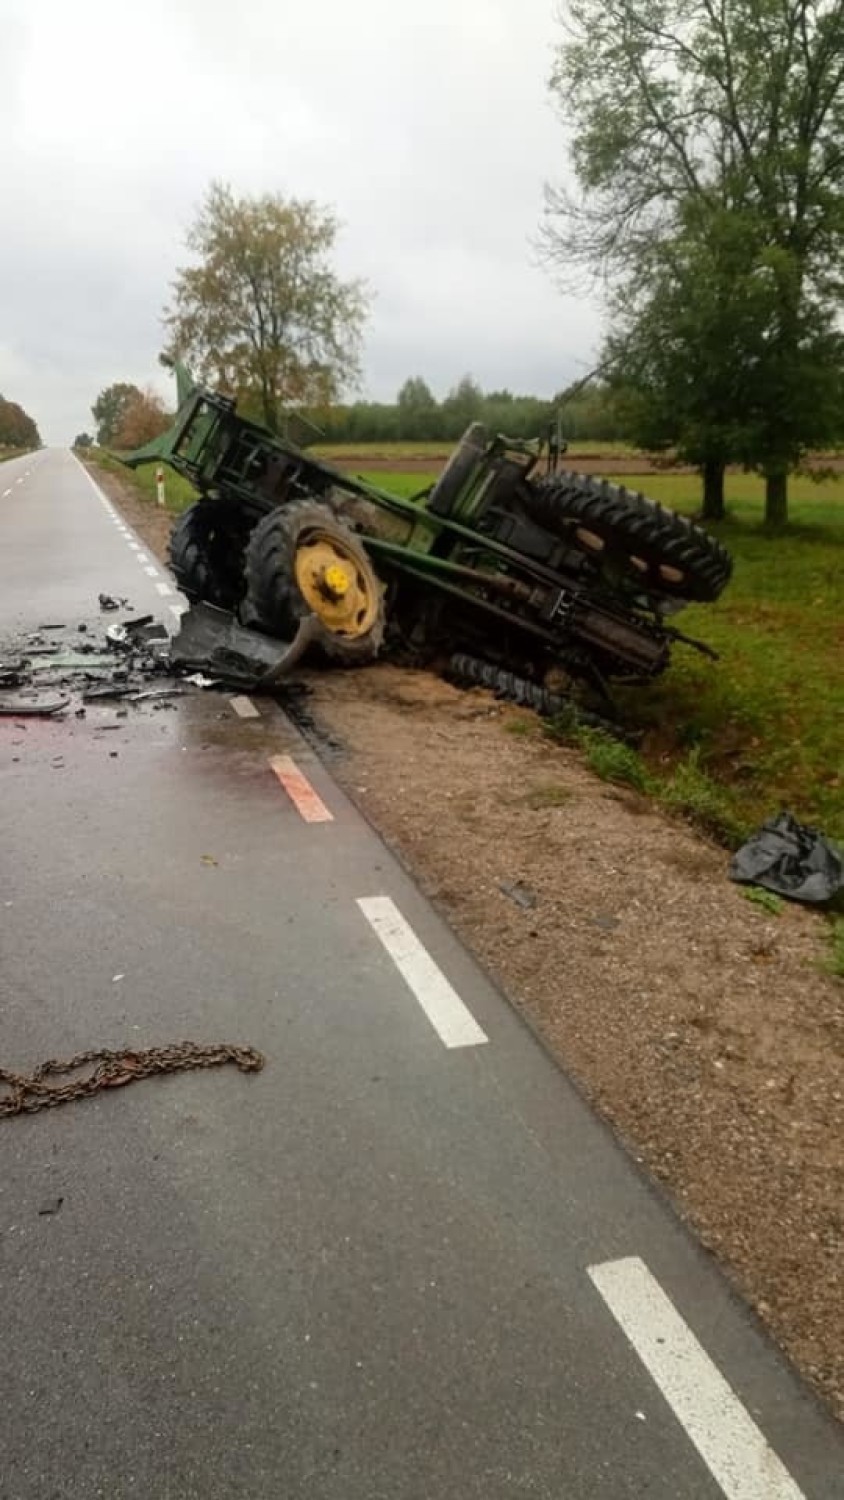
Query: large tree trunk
<point x="776" y="498"/>
<point x="713" y="491"/>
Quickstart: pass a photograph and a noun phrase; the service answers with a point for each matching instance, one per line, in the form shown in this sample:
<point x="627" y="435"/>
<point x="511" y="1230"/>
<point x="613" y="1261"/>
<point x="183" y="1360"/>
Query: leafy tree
<point x="694" y="358"/>
<point x="462" y="405"/>
<point x="17" y="428"/>
<point x="262" y="311"/>
<point x="143" y="419"/>
<point x="110" y="408"/>
<point x="415" y="395"/>
<point x="589" y="414"/>
<point x="83" y="440"/>
<point x="678" y="126"/>
<point x="417" y="414"/>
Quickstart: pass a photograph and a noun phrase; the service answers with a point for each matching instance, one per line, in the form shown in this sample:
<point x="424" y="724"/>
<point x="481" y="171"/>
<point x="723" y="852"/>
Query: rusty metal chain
<point x="28" y="1093"/>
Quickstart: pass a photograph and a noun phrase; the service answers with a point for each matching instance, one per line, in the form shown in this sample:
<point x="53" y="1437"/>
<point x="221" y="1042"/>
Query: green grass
<point x="768" y="900"/>
<point x="612" y="760"/>
<point x="683" y="788"/>
<point x="692" y="792"/>
<point x="766" y="719"/>
<point x="179" y="494"/>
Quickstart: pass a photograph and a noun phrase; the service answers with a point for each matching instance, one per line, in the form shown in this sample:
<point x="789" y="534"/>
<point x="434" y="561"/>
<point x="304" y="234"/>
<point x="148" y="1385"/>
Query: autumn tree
<point x="262" y="311"/>
<point x="143" y="419"/>
<point x="110" y="408"/>
<point x="17" y="428"/>
<point x="688" y="116"/>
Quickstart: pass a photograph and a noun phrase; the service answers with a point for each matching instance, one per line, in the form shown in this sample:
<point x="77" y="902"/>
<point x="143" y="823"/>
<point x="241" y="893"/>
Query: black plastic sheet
<point x="791" y="859"/>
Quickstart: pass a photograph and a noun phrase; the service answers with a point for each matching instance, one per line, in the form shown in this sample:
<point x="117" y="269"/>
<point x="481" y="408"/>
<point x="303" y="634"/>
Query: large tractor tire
<point x="303" y="560"/>
<point x="206" y="554"/>
<point x="663" y="552"/>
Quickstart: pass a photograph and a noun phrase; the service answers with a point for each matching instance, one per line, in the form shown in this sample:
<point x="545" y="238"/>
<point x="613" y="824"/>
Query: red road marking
<point x="300" y="791"/>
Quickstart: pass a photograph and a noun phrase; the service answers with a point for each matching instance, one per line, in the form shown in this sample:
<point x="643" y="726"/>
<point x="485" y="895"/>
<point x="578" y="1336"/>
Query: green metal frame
<point x="219" y="452"/>
<point x="229" y="458"/>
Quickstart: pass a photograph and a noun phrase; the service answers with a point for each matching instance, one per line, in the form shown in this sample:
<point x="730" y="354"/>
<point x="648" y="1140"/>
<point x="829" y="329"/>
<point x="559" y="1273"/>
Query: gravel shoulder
<point x="700" y="1025"/>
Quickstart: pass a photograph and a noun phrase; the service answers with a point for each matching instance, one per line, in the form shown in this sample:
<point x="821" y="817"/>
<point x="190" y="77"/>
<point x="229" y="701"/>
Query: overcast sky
<point x="429" y="129"/>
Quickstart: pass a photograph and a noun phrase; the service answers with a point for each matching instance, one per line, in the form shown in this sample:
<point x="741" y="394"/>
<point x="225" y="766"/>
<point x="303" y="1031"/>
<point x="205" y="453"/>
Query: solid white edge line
<point x="244" y="707"/>
<point x="738" y="1457"/>
<point x="453" y="1022"/>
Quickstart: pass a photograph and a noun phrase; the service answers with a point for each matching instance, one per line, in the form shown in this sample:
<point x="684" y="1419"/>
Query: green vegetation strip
<point x="179" y="493"/>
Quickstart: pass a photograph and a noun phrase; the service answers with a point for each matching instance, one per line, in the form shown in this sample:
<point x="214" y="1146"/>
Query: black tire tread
<point x="643" y="527"/>
<point x="205" y="554"/>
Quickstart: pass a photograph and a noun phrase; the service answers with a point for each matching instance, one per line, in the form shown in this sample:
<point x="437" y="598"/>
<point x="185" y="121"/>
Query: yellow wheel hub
<point x="337" y="585"/>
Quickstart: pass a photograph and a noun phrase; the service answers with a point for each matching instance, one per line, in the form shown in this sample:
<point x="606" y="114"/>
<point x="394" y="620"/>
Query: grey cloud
<point x="430" y="132"/>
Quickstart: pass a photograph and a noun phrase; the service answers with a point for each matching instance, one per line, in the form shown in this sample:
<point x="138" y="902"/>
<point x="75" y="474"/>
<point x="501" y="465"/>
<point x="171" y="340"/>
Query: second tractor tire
<point x="206" y="554"/>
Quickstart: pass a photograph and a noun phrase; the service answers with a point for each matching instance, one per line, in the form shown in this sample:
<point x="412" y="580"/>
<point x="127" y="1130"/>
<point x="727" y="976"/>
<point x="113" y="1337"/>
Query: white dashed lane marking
<point x="151" y="572"/>
<point x="451" y="1019"/>
<point x="164" y="589"/>
<point x="736" y="1454"/>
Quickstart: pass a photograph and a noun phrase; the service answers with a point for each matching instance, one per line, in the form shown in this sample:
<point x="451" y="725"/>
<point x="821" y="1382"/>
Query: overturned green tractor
<point x="507" y="559"/>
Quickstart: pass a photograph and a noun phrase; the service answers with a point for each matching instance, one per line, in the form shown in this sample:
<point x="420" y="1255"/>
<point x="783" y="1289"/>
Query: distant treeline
<point x="17" y="429"/>
<point x="127" y="417"/>
<point x="416" y="416"/>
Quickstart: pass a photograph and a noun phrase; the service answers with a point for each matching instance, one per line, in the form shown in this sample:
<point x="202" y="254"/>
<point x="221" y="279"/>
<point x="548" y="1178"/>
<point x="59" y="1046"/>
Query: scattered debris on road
<point x="50" y="1207"/>
<point x="39" y="708"/>
<point x="85" y="667"/>
<point x="28" y="1093"/>
<point x="12" y="673"/>
<point x="519" y="892"/>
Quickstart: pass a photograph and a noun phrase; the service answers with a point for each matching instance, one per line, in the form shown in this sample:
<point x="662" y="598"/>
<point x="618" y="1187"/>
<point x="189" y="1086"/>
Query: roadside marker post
<point x="159" y="485"/>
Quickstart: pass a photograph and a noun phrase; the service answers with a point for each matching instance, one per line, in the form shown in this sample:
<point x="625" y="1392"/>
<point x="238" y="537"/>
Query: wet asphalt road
<point x="365" y="1272"/>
